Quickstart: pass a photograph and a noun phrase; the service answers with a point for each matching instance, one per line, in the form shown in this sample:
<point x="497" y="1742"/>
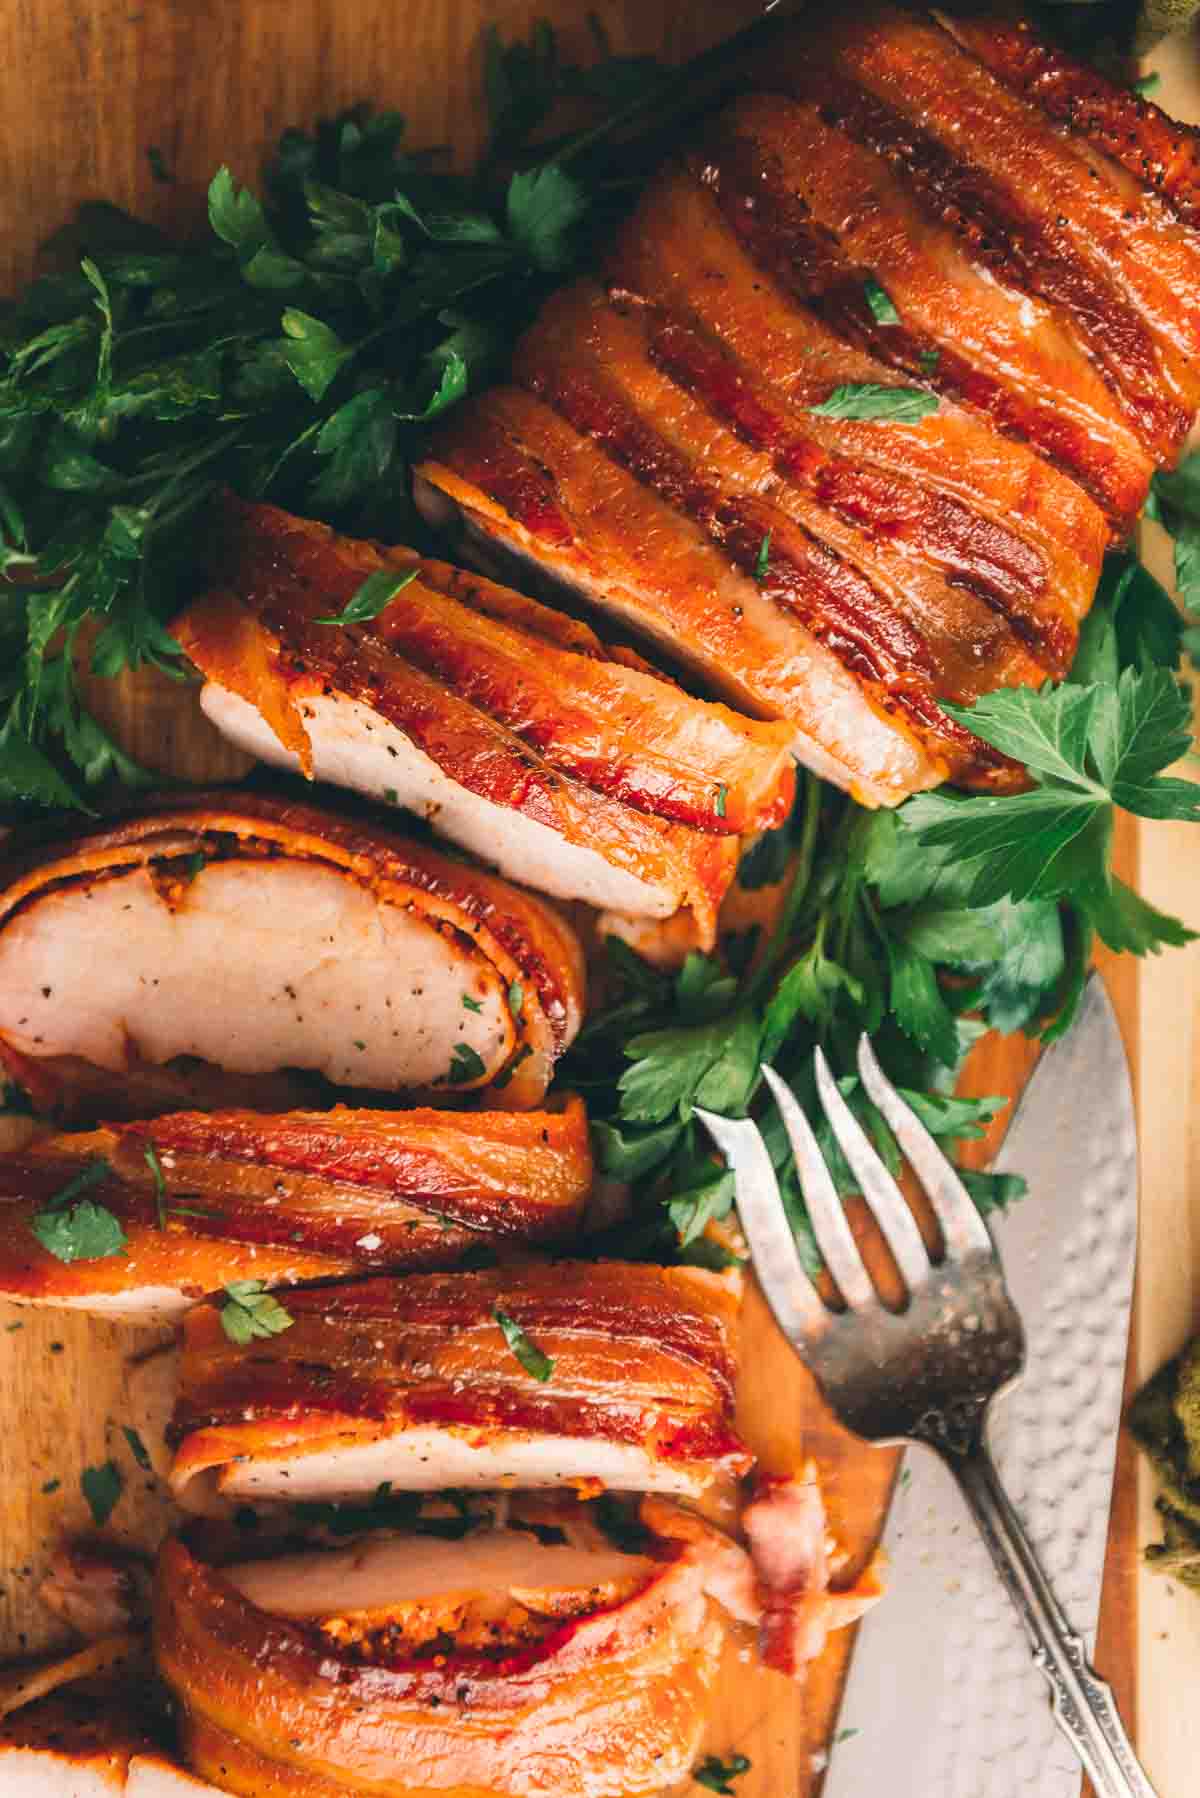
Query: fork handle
<point x="1083" y="1704"/>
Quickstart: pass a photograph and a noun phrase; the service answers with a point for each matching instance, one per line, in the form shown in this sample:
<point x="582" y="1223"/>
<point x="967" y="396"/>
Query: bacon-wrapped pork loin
<point x="563" y="1373"/>
<point x="254" y="935"/>
<point x="510" y="727"/>
<point x="878" y="369"/>
<point x="530" y="1657"/>
<point x="204" y="1199"/>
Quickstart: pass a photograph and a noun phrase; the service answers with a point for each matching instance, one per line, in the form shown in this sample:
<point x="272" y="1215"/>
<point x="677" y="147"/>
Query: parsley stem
<point x="783" y="933"/>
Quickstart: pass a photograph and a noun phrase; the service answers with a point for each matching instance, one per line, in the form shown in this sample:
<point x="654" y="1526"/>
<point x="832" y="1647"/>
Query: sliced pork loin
<point x="511" y="728"/>
<point x="947" y="209"/>
<point x="532" y="1655"/>
<point x="207" y="1198"/>
<point x="408" y="1666"/>
<point x="254" y="935"/>
<point x="616" y="1373"/>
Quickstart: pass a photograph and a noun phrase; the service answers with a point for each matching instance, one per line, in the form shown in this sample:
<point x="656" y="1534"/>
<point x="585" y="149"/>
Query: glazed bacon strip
<point x="893" y="214"/>
<point x="533" y="1654"/>
<point x="613" y="1701"/>
<point x="254" y="935"/>
<point x="413" y="1382"/>
<point x="1161" y="153"/>
<point x="297" y="1196"/>
<point x="514" y="729"/>
<point x="828" y="215"/>
<point x="1030" y="538"/>
<point x="1042" y="213"/>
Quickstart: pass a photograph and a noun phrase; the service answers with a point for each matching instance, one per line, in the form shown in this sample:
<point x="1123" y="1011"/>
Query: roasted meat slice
<point x="609" y="1372"/>
<point x="1056" y="220"/>
<point x="880" y="367"/>
<point x="530" y="1655"/>
<point x="204" y="1199"/>
<point x="254" y="935"/>
<point x="514" y="731"/>
<point x="502" y="1666"/>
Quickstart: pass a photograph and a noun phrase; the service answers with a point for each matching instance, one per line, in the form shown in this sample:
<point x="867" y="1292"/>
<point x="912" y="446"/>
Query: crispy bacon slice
<point x="255" y="935"/>
<point x="1055" y="218"/>
<point x="789" y="1545"/>
<point x="520" y="1656"/>
<point x="514" y="731"/>
<point x="412" y="1381"/>
<point x="889" y="212"/>
<point x="1161" y="153"/>
<point x="610" y="1699"/>
<point x="298" y="1196"/>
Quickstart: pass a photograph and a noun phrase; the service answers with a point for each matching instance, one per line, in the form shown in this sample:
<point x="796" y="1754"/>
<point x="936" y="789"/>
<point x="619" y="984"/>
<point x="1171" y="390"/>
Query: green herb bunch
<point x="296" y="351"/>
<point x="923" y="927"/>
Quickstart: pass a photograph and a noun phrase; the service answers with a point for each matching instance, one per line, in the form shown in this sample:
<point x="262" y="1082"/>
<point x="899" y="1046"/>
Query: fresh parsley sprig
<point x="296" y="351"/>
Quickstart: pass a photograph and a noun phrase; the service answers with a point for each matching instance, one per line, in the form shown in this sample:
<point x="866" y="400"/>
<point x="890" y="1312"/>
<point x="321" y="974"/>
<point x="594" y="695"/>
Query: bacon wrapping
<point x="250" y="935"/>
<point x="512" y="728"/>
<point x="204" y="1199"/>
<point x="531" y="1656"/>
<point x="951" y="209"/>
<point x="616" y="1374"/>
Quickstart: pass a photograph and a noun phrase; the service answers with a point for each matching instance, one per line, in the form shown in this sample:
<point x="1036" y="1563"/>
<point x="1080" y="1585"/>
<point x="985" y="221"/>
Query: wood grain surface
<point x="87" y="88"/>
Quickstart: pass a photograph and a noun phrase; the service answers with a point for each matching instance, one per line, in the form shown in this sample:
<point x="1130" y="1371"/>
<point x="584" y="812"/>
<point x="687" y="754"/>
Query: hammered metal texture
<point x="943" y="1698"/>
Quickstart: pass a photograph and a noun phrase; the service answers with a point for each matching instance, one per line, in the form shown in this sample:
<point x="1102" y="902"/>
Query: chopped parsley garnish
<point x="516" y="998"/>
<point x="160" y="1184"/>
<point x="373" y="597"/>
<point x="248" y="1310"/>
<point x="471" y="1004"/>
<point x="74" y="1228"/>
<point x="720" y="799"/>
<point x="879" y="300"/>
<point x="537" y="1365"/>
<point x="868" y="399"/>
<point x="762" y="562"/>
<point x="466" y="1064"/>
<point x="102" y="1487"/>
<point x="929" y="359"/>
<point x="137" y="1447"/>
<point x="717" y="1774"/>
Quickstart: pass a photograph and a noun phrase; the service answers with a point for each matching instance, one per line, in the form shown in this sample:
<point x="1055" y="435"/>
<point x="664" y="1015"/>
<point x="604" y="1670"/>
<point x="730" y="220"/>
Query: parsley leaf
<point x="868" y="399"/>
<point x="102" y="1487"/>
<point x="716" y="1774"/>
<point x="250" y="1311"/>
<point x="73" y="1228"/>
<point x="1090" y="749"/>
<point x="879" y="300"/>
<point x="137" y="1447"/>
<point x="373" y="596"/>
<point x="762" y="561"/>
<point x="537" y="1365"/>
<point x="466" y="1064"/>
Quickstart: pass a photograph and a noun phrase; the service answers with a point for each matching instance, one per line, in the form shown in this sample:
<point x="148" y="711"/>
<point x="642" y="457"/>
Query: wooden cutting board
<point x="87" y="89"/>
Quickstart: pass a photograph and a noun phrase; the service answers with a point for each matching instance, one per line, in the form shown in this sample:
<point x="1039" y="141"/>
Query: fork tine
<point x="875" y="1183"/>
<point x="825" y="1209"/>
<point x="798" y="1308"/>
<point x="964" y="1230"/>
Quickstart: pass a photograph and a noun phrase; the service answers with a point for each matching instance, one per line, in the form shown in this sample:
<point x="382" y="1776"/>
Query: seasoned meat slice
<point x="557" y="762"/>
<point x="255" y="935"/>
<point x="414" y="1382"/>
<point x="299" y="1196"/>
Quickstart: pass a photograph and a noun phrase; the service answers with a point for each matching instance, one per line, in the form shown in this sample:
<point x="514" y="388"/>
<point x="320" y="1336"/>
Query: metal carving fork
<point x="928" y="1373"/>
